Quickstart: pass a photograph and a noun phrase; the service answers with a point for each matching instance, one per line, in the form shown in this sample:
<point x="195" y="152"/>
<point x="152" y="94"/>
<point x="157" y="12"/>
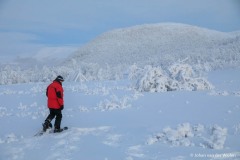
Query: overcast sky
<point x="28" y="27"/>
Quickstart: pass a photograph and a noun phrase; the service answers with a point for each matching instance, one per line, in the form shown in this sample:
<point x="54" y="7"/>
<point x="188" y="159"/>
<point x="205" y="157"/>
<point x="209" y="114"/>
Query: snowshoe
<point x="58" y="130"/>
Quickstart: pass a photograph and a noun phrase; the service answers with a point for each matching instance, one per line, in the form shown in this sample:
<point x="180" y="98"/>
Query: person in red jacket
<point x="55" y="103"/>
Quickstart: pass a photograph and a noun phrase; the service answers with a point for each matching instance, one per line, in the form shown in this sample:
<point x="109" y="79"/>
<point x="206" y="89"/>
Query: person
<point x="55" y="103"/>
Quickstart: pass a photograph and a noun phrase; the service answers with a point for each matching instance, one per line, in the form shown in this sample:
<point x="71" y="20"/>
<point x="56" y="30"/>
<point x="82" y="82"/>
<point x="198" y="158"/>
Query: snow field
<point x="111" y="120"/>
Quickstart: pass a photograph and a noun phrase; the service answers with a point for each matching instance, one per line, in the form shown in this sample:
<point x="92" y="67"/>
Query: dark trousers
<point x="51" y="116"/>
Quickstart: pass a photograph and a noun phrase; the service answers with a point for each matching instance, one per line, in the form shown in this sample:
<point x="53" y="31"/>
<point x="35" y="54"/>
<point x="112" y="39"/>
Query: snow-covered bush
<point x="185" y="134"/>
<point x="177" y="77"/>
<point x="45" y="74"/>
<point x="175" y="137"/>
<point x="146" y="79"/>
<point x="13" y="75"/>
<point x="93" y="71"/>
<point x="180" y="136"/>
<point x="185" y="78"/>
<point x="114" y="103"/>
<point x="218" y="137"/>
<point x="154" y="80"/>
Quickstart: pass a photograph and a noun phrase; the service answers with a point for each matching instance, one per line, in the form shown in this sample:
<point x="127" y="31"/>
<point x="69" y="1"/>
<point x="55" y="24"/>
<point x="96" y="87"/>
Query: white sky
<point x="28" y="27"/>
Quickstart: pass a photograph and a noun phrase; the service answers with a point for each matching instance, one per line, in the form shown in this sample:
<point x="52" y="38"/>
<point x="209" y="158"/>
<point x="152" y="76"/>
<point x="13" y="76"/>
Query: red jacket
<point x="55" y="95"/>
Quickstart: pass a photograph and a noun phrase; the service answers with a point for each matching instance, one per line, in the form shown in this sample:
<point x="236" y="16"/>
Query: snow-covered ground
<point x="152" y="92"/>
<point x="110" y="120"/>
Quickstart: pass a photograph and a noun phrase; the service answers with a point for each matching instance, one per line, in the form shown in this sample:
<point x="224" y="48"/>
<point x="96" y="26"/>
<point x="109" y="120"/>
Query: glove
<point x="62" y="107"/>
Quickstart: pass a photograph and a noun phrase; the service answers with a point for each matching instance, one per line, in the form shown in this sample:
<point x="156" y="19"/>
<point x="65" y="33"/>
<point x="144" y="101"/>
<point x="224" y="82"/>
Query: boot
<point x="46" y="125"/>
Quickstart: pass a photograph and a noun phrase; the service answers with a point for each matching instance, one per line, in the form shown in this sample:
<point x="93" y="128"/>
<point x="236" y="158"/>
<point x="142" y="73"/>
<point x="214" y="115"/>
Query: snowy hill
<point x="163" y="43"/>
<point x="54" y="55"/>
<point x="147" y="92"/>
<point x="122" y="52"/>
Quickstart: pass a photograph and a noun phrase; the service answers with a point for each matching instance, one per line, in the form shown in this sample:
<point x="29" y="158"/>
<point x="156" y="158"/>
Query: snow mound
<point x="162" y="43"/>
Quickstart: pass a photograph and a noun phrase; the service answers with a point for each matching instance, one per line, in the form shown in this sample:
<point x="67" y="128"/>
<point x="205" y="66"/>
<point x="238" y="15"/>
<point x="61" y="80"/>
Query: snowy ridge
<point x="54" y="55"/>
